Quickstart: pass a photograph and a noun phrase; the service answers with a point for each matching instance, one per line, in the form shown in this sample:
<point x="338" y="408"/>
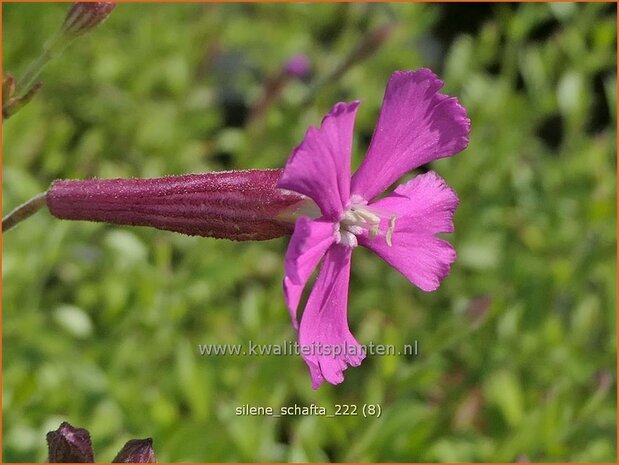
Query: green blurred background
<point x="517" y="347"/>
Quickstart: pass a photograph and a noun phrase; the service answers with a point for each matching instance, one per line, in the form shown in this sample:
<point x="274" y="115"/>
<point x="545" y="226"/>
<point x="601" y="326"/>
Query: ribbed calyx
<point x="84" y="16"/>
<point x="238" y="205"/>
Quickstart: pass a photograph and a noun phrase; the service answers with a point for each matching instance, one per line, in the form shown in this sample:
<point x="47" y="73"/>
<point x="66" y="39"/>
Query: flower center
<point x="360" y="218"/>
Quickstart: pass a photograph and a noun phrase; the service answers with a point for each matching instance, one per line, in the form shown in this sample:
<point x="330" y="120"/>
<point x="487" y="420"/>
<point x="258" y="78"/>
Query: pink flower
<point x="416" y="125"/>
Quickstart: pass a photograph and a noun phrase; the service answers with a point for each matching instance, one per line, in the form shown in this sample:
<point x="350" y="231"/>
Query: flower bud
<point x="136" y="451"/>
<point x="69" y="445"/>
<point x="84" y="16"/>
<point x="297" y="66"/>
<point x="238" y="205"/>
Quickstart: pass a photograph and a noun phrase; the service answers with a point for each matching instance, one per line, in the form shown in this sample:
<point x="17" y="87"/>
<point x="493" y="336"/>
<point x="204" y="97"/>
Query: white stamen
<point x="356" y="230"/>
<point x="373" y="232"/>
<point x="348" y="239"/>
<point x="349" y="217"/>
<point x="368" y="216"/>
<point x="360" y="218"/>
<point x="390" y="231"/>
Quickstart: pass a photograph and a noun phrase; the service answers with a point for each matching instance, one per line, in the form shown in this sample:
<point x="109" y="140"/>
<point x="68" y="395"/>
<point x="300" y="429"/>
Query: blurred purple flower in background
<point x="416" y="125"/>
<point x="298" y="66"/>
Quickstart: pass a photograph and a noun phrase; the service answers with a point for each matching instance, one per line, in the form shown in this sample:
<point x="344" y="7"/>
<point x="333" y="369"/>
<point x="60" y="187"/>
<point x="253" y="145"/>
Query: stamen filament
<point x="390" y="231"/>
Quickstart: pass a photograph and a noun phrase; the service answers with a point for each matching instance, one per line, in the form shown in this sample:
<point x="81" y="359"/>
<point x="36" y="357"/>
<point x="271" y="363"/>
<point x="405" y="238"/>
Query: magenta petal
<point x="417" y="124"/>
<point x="426" y="201"/>
<point x="424" y="260"/>
<point x="320" y="166"/>
<point x="326" y="343"/>
<point x="424" y="207"/>
<point x="308" y="244"/>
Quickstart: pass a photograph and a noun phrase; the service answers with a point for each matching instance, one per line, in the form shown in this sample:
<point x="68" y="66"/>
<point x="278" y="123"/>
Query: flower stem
<point x="51" y="49"/>
<point x="33" y="71"/>
<point x="24" y="211"/>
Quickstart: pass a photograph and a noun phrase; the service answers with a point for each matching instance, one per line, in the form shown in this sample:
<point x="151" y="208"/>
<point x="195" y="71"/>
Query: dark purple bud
<point x="297" y="66"/>
<point x="83" y="16"/>
<point x="69" y="445"/>
<point x="136" y="451"/>
<point x="237" y="205"/>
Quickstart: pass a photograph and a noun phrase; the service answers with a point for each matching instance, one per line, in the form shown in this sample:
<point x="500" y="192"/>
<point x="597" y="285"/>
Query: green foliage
<point x="517" y="349"/>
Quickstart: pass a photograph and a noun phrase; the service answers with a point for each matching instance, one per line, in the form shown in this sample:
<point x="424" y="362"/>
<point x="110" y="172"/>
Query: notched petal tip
<point x="340" y="108"/>
<point x="423" y="259"/>
<point x="433" y="282"/>
<point x="449" y="112"/>
<point x="460" y="122"/>
<point x="326" y="343"/>
<point x="417" y="124"/>
<point x="331" y="369"/>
